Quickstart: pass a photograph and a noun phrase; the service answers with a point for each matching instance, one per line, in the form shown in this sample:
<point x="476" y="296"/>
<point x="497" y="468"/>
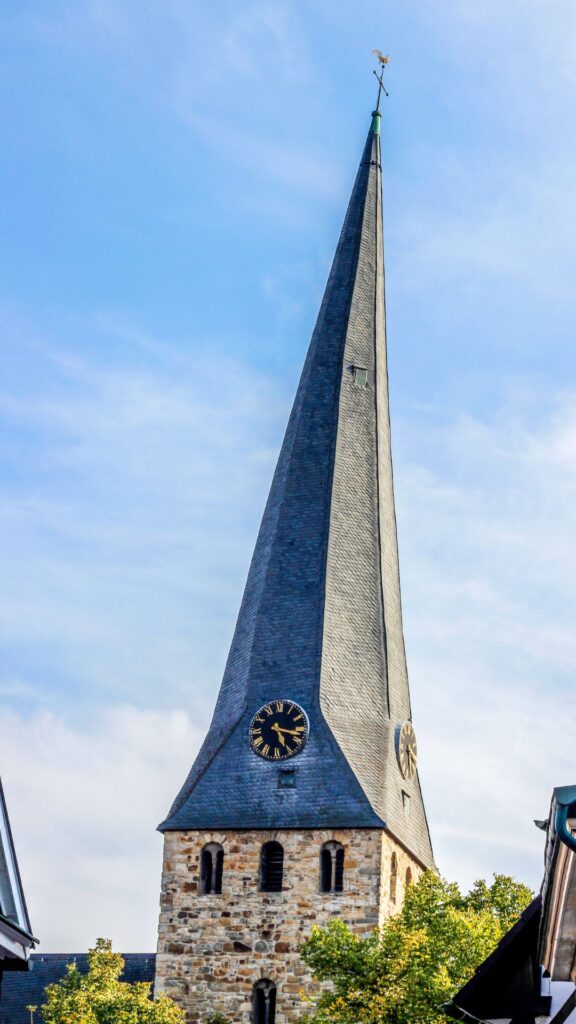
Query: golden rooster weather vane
<point x="383" y="61"/>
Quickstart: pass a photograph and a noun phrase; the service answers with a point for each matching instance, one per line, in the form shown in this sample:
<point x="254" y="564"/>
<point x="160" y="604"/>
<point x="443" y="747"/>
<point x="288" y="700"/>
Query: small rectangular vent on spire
<point x="360" y="376"/>
<point x="287" y="778"/>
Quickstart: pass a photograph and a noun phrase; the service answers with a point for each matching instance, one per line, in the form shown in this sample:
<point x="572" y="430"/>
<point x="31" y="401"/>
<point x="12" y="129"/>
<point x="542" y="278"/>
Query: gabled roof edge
<point x="28" y="930"/>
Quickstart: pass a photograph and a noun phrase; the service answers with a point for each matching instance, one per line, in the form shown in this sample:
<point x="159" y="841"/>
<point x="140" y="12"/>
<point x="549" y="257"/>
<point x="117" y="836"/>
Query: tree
<point x="418" y="960"/>
<point x="98" y="997"/>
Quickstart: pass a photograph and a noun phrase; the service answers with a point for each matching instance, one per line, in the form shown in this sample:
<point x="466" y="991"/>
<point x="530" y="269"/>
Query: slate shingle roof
<point x="320" y="621"/>
<point x="26" y="988"/>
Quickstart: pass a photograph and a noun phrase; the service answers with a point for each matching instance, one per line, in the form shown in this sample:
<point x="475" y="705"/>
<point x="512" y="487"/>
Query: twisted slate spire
<point x="320" y="621"/>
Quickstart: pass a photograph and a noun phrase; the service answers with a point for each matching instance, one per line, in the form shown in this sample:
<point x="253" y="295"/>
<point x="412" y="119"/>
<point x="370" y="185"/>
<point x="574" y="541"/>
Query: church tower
<point x="304" y="800"/>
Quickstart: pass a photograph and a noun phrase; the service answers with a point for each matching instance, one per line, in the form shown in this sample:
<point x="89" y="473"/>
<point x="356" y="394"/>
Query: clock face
<point x="406" y="750"/>
<point x="279" y="730"/>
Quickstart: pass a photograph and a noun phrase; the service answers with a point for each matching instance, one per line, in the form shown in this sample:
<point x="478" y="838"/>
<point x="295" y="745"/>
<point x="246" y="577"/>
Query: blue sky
<point x="175" y="180"/>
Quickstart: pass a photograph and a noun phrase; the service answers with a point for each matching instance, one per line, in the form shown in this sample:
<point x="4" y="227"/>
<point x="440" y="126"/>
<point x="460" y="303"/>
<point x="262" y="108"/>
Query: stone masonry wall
<point x="212" y="949"/>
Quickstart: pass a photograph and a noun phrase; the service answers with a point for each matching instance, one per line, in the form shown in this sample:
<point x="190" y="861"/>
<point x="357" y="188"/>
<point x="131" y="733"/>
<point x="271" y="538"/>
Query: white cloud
<point x="84" y="802"/>
<point x="140" y="499"/>
<point x="485" y="509"/>
<point x="504" y="226"/>
<point x="486" y="515"/>
<point x="526" y="45"/>
<point x="135" y="512"/>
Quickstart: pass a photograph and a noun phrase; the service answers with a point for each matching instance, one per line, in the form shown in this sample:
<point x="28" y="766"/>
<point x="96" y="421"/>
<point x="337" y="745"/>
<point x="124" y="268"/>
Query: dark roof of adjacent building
<point x="541" y="944"/>
<point x="26" y="988"/>
<point x="507" y="984"/>
<point x="320" y="621"/>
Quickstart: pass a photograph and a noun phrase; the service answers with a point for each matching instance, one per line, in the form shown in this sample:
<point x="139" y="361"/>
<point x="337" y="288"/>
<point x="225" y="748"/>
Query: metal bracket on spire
<point x="383" y="61"/>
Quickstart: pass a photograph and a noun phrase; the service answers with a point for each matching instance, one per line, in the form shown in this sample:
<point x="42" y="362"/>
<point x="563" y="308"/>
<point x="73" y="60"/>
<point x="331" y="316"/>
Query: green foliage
<point x="505" y="899"/>
<point x="218" y="1018"/>
<point x="98" y="997"/>
<point x="419" y="959"/>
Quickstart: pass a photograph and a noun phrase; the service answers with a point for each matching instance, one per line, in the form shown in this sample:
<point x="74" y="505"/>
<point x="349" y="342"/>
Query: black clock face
<point x="279" y="730"/>
<point x="406" y="749"/>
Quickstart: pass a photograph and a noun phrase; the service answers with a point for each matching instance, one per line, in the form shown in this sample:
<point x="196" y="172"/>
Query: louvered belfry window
<point x="332" y="867"/>
<point x="271" y="867"/>
<point x="264" y="1002"/>
<point x="211" y="869"/>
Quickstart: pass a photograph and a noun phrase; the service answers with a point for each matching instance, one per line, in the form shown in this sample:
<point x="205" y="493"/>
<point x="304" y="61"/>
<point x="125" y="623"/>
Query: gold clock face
<point x="279" y="730"/>
<point x="406" y="749"/>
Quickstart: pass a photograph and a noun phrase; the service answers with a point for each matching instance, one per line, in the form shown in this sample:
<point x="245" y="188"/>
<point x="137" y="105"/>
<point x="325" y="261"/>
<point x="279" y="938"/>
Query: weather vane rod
<point x="383" y="61"/>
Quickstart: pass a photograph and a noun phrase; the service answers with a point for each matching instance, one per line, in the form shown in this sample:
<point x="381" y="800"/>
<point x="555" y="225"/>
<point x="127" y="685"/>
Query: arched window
<point x="408" y="877"/>
<point x="264" y="1002"/>
<point x="332" y="867"/>
<point x="271" y="867"/>
<point x="211" y="869"/>
<point x="393" y="877"/>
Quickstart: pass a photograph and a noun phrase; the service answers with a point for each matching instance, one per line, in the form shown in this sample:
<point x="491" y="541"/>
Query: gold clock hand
<point x="290" y="732"/>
